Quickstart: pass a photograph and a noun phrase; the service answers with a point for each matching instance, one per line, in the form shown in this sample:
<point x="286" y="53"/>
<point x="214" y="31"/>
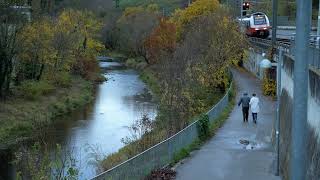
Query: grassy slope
<point x="214" y="126"/>
<point x="153" y="138"/>
<point x="19" y="117"/>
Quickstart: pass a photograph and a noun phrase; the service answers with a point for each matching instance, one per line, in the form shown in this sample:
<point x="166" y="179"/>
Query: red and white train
<point x="256" y="25"/>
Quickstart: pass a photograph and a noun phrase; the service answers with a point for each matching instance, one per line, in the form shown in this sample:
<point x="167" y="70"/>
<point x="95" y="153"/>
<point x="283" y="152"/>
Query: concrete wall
<point x="286" y="106"/>
<point x="253" y="62"/>
<point x="313" y="139"/>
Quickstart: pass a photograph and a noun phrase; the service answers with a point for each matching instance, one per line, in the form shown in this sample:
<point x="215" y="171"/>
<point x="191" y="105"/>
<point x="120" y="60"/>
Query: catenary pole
<point x="274" y="22"/>
<point x="300" y="93"/>
<point x="318" y="29"/>
<point x="241" y="10"/>
<point x="273" y="41"/>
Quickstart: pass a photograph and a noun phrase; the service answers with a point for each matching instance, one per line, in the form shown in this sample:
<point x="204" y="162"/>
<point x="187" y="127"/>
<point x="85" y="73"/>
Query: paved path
<point x="224" y="157"/>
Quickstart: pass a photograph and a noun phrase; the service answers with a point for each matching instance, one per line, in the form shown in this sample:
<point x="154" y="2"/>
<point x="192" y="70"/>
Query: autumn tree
<point x="183" y="17"/>
<point x="134" y="26"/>
<point x="11" y="21"/>
<point x="76" y="41"/>
<point x="198" y="68"/>
<point x="36" y="50"/>
<point x="61" y="46"/>
<point x="109" y="30"/>
<point x="161" y="41"/>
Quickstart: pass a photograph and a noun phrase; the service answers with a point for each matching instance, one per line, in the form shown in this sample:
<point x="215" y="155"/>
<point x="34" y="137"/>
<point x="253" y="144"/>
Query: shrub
<point x="34" y="89"/>
<point x="100" y="78"/>
<point x="86" y="67"/>
<point x="203" y="127"/>
<point x="63" y="79"/>
<point x="183" y="153"/>
<point x="37" y="162"/>
<point x="136" y="63"/>
<point x="130" y="62"/>
<point x="269" y="87"/>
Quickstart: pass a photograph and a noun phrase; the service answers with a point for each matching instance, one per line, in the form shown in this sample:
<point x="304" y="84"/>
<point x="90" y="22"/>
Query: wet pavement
<point x="238" y="150"/>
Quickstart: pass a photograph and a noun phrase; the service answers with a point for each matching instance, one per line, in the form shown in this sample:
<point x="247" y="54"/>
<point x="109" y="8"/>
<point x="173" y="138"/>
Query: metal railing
<point x="314" y="53"/>
<point x="163" y="153"/>
<point x="288" y="46"/>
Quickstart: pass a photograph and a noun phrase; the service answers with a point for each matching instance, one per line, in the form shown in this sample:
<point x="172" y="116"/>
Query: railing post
<point x="279" y="69"/>
<point x="170" y="150"/>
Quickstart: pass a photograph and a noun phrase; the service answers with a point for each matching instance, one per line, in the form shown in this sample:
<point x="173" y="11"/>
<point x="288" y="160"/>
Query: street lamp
<point x="265" y="64"/>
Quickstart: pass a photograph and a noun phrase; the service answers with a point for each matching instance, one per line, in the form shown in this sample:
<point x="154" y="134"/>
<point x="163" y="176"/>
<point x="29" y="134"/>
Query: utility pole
<point x="117" y="3"/>
<point x="318" y="29"/>
<point x="241" y="9"/>
<point x="273" y="43"/>
<point x="274" y="23"/>
<point x="300" y="95"/>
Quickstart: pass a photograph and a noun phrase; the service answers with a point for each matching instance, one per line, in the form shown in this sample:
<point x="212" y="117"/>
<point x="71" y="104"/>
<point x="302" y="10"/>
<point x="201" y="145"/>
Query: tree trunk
<point x="40" y="73"/>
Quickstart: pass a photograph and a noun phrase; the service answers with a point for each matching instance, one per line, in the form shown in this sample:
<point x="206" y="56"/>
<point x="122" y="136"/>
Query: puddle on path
<point x="250" y="145"/>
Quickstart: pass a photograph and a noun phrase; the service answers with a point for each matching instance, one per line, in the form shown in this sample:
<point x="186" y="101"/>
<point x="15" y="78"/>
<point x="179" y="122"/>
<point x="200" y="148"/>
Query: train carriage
<point x="256" y="25"/>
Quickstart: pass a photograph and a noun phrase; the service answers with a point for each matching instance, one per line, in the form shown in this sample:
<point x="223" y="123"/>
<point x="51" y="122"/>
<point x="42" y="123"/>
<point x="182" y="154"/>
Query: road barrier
<point x="160" y="155"/>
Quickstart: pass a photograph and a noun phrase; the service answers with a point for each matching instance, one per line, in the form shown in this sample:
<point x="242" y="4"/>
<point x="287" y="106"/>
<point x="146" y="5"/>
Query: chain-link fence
<point x="161" y="154"/>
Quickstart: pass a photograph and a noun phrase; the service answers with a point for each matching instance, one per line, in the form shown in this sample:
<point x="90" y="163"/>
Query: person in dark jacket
<point x="245" y="106"/>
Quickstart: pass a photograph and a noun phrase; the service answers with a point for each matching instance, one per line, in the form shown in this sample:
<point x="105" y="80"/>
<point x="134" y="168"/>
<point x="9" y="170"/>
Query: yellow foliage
<point x="58" y="44"/>
<point x="36" y="42"/>
<point x="81" y="24"/>
<point x="130" y="11"/>
<point x="196" y="9"/>
<point x="152" y="8"/>
<point x="133" y="11"/>
<point x="269" y="87"/>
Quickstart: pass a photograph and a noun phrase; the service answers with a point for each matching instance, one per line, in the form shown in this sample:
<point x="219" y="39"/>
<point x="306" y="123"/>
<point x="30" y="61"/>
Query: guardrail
<point x="161" y="154"/>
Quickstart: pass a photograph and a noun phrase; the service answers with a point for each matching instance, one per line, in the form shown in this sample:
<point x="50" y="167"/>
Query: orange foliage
<point x="161" y="40"/>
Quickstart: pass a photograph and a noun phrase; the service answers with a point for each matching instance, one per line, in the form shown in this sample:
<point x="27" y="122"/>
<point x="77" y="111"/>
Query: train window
<point x="248" y="24"/>
<point x="259" y="19"/>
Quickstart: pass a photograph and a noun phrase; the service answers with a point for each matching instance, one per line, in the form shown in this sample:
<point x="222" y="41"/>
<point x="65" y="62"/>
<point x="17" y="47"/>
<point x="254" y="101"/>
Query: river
<point x="96" y="130"/>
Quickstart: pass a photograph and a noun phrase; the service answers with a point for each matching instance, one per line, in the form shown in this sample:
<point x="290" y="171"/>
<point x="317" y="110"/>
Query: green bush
<point x="34" y="89"/>
<point x="136" y="63"/>
<point x="131" y="62"/>
<point x="183" y="153"/>
<point x="203" y="127"/>
<point x="63" y="79"/>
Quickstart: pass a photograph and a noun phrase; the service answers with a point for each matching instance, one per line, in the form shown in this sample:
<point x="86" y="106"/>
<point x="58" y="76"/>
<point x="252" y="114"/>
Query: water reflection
<point x="100" y="126"/>
<point x="104" y="125"/>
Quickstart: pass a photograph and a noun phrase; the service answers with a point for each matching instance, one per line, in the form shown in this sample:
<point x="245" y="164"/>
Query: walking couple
<point x="252" y="103"/>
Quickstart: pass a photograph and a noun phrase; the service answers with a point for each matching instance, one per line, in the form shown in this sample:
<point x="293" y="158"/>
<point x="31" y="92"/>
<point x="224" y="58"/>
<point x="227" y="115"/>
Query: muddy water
<point x="96" y="130"/>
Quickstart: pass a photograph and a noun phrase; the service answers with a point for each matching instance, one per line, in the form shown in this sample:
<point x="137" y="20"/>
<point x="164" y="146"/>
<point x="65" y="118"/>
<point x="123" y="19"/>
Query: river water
<point x="96" y="130"/>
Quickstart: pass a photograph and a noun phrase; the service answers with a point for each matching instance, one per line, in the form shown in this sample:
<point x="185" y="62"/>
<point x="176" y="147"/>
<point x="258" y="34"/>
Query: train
<point x="256" y="25"/>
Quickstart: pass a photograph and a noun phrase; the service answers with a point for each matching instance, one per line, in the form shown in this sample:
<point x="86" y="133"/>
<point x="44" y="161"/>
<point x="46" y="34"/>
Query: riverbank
<point x="148" y="139"/>
<point x="158" y="133"/>
<point x="21" y="118"/>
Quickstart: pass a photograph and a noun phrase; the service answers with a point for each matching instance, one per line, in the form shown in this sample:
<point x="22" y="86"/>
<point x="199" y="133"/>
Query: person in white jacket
<point x="254" y="106"/>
